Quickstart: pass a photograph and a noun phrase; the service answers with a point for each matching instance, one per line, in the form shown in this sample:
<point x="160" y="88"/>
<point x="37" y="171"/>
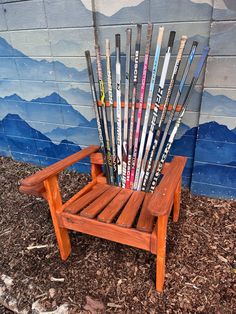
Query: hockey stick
<point x="172" y="113"/>
<point x="148" y="106"/>
<point x="187" y="98"/>
<point x="118" y="111"/>
<point x="95" y="103"/>
<point x="126" y="109"/>
<point x="165" y="108"/>
<point x="156" y="107"/>
<point x="141" y="101"/>
<point x="110" y="95"/>
<point x="102" y="96"/>
<point x="133" y="104"/>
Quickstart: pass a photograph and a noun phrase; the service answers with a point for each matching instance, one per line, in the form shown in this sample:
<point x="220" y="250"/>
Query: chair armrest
<point x="40" y="176"/>
<point x="163" y="195"/>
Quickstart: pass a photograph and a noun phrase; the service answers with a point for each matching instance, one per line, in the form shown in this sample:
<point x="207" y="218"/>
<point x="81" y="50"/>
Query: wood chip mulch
<point x="105" y="277"/>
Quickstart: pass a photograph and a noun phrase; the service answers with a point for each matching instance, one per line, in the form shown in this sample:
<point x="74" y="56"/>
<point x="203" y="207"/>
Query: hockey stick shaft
<point x="141" y="101"/>
<point x="148" y="106"/>
<point x="110" y="96"/>
<point x="126" y="109"/>
<point x="180" y="116"/>
<point x="156" y="107"/>
<point x="133" y="104"/>
<point x="118" y="110"/>
<point x="165" y="108"/>
<point x="95" y="103"/>
<point x="172" y="113"/>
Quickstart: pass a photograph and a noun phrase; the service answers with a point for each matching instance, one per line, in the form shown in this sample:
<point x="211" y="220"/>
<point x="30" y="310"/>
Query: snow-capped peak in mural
<point x="107" y="9"/>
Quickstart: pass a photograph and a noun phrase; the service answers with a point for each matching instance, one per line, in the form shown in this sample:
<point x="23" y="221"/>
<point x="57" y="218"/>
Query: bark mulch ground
<point x="105" y="277"/>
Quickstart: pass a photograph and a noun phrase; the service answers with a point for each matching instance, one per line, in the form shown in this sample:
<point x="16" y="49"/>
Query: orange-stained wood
<point x="146" y="219"/>
<point x="83" y="191"/>
<point x="164" y="193"/>
<point x="153" y="244"/>
<point x="95" y="170"/>
<point x="96" y="158"/>
<point x="37" y="190"/>
<point x="101" y="179"/>
<point x="177" y="197"/>
<point x="99" y="203"/>
<point x="86" y="199"/>
<point x="137" y="105"/>
<point x="55" y="203"/>
<point x="47" y="172"/>
<point x="114" y="207"/>
<point x="130" y="210"/>
<point x="128" y="236"/>
<point x="161" y="251"/>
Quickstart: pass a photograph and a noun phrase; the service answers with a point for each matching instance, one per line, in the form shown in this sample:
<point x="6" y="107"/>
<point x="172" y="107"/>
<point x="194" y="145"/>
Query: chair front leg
<point x="161" y="251"/>
<point x="55" y="204"/>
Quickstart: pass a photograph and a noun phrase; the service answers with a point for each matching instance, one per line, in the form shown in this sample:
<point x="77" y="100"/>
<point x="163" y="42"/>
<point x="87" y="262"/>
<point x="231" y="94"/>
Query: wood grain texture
<point x="83" y="191"/>
<point x="100" y="202"/>
<point x="177" y="198"/>
<point x="130" y="210"/>
<point x="42" y="175"/>
<point x="146" y="219"/>
<point x="87" y="198"/>
<point x="55" y="203"/>
<point x="161" y="251"/>
<point x="114" y="207"/>
<point x="178" y="108"/>
<point x="128" y="236"/>
<point x="164" y="193"/>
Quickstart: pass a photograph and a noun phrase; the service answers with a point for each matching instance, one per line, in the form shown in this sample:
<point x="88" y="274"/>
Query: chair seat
<point x="114" y="205"/>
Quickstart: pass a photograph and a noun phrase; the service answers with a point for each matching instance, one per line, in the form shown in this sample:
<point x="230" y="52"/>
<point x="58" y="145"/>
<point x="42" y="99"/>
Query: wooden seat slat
<point x="146" y="220"/>
<point x="128" y="214"/>
<point x="84" y="200"/>
<point x="113" y="208"/>
<point x="99" y="203"/>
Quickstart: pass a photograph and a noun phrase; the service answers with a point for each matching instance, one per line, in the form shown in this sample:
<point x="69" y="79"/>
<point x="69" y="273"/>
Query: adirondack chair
<point x="129" y="217"/>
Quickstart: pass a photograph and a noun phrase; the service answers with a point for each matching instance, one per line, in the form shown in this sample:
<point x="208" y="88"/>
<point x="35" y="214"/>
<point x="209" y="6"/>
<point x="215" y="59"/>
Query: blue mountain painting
<point x="21" y="138"/>
<point x="219" y="105"/>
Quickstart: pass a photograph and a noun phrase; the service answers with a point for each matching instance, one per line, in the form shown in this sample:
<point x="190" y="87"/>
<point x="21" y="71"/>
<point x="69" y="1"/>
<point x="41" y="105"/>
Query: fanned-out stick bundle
<point x="135" y="153"/>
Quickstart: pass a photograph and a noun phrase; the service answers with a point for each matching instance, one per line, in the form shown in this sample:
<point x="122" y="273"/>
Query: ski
<point x="148" y="105"/>
<point x="133" y="103"/>
<point x="165" y="109"/>
<point x="118" y="111"/>
<point x="187" y="98"/>
<point x="141" y="101"/>
<point x="156" y="107"/>
<point x="126" y="108"/>
<point x="95" y="103"/>
<point x="110" y="96"/>
<point x="172" y="113"/>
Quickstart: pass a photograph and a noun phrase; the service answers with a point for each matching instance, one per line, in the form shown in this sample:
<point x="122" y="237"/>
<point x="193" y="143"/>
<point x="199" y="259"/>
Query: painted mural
<point x="46" y="110"/>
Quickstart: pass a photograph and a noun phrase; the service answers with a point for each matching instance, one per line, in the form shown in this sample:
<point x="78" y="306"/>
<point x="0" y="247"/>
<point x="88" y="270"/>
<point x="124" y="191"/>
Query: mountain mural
<point x="56" y="110"/>
<point x="20" y="137"/>
<point x="216" y="144"/>
<point x="214" y="131"/>
<point x="218" y="105"/>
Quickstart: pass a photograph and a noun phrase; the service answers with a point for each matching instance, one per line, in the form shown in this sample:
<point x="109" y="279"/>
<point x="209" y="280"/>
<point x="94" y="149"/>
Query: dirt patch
<point x="101" y="276"/>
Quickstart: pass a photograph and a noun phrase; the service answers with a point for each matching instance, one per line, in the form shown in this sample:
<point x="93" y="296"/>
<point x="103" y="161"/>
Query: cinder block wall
<point x="214" y="170"/>
<point x="46" y="108"/>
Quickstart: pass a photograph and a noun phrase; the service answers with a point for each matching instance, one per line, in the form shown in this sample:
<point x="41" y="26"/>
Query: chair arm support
<point x="163" y="195"/>
<point x="40" y="176"/>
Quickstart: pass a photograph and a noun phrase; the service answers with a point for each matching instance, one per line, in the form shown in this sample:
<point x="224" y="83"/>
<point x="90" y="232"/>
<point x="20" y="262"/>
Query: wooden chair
<point x="133" y="218"/>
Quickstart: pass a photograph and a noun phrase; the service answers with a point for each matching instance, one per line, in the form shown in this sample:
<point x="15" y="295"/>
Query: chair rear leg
<point x="55" y="203"/>
<point x="161" y="251"/>
<point x="177" y="198"/>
